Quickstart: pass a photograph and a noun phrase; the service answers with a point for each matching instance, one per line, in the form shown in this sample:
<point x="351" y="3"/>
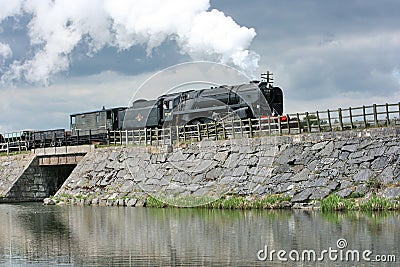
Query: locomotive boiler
<point x="253" y="100"/>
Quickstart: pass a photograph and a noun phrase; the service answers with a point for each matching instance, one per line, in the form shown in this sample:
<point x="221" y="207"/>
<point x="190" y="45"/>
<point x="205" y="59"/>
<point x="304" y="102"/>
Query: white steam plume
<point x="58" y="26"/>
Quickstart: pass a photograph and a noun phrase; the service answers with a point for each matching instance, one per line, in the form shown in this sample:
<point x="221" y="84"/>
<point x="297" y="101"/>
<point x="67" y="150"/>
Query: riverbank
<point x="333" y="202"/>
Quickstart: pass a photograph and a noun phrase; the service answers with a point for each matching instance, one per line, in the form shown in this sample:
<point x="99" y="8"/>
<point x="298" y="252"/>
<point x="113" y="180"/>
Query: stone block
<point x="363" y="175"/>
<point x="131" y="202"/>
<point x="302" y="196"/>
<point x="344" y="192"/>
<point x="391" y="192"/>
<point x="320" y="193"/>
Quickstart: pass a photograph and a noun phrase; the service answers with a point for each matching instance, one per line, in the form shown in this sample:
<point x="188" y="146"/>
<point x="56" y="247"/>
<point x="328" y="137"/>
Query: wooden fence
<point x="308" y="122"/>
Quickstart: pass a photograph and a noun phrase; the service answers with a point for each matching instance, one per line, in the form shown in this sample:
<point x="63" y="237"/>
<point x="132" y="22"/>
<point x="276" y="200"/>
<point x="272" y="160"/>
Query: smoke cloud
<point x="57" y="27"/>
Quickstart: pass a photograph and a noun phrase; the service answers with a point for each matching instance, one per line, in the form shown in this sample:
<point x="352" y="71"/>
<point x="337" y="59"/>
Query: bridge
<point x="65" y="155"/>
<point x="37" y="174"/>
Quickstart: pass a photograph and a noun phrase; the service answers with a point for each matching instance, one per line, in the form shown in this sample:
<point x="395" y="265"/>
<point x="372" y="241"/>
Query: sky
<point x="62" y="57"/>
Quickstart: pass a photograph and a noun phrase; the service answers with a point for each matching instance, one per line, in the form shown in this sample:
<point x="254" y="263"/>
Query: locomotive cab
<point x="169" y="104"/>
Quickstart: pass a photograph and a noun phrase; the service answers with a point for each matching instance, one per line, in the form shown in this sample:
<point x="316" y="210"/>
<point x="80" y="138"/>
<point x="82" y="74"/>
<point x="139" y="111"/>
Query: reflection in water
<point x="110" y="236"/>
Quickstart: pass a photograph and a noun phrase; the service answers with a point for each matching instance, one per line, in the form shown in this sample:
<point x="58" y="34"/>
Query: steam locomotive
<point x="253" y="100"/>
<point x="256" y="99"/>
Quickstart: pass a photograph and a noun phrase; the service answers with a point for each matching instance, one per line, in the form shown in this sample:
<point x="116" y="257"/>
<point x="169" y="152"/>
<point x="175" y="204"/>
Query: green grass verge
<point x="336" y="203"/>
<point x="226" y="202"/>
<point x="378" y="204"/>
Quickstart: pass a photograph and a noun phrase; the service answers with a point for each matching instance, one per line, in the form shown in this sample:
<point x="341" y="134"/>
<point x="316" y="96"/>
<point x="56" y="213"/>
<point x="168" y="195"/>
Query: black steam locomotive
<point x="257" y="99"/>
<point x="253" y="100"/>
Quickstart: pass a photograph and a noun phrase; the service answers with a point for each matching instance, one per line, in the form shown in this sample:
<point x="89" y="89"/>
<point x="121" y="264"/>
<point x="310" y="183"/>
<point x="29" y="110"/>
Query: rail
<point x="296" y="123"/>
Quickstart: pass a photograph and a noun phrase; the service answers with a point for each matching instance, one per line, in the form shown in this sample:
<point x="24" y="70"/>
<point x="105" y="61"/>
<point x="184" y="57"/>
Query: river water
<point x="36" y="235"/>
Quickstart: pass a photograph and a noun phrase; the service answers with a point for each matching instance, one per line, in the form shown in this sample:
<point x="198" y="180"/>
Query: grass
<point x="225" y="202"/>
<point x="155" y="203"/>
<point x="334" y="202"/>
<point x="329" y="204"/>
<point x="378" y="204"/>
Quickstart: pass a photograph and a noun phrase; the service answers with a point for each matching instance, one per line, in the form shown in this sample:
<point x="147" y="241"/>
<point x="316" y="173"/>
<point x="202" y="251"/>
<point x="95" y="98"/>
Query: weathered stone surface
<point x="303" y="195"/>
<point x="391" y="192"/>
<point x="319" y="146"/>
<point x="363" y="175"/>
<point x="306" y="167"/>
<point x="344" y="192"/>
<point x="131" y="202"/>
<point x="386" y="176"/>
<point x="320" y="193"/>
<point x="349" y="148"/>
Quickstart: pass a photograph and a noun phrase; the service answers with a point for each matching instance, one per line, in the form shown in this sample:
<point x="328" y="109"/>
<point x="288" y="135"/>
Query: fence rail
<point x="308" y="122"/>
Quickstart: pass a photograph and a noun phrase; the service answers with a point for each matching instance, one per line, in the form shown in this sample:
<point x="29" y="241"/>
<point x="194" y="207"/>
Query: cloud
<point x="49" y="107"/>
<point x="5" y="52"/>
<point x="57" y="28"/>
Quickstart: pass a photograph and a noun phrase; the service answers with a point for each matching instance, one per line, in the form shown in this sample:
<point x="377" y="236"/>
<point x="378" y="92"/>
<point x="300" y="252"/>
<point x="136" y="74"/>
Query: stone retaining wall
<point x="11" y="168"/>
<point x="22" y="179"/>
<point x="305" y="168"/>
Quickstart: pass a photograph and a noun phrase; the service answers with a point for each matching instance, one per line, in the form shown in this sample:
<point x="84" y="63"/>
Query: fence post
<point x="108" y="137"/>
<point x="55" y="142"/>
<point x="126" y="137"/>
<point x="387" y="115"/>
<point x="329" y="120"/>
<point x="340" y="119"/>
<point x="399" y="110"/>
<point x="279" y="125"/>
<point x="250" y="128"/>
<point x="364" y="117"/>
<point x="115" y="138"/>
<point x="8" y="148"/>
<point x="269" y="125"/>
<point x="319" y="122"/>
<point x="216" y="130"/>
<point x="308" y="123"/>
<point x="233" y="125"/>
<point x="375" y="115"/>
<point x="151" y="136"/>
<point x="145" y="136"/>
<point x="90" y="136"/>
<point x="287" y="122"/>
<point x="77" y="137"/>
<point x="298" y="122"/>
<point x="351" y="118"/>
<point x="170" y="135"/>
<point x="65" y="142"/>
<point x="177" y="134"/>
<point x="223" y="130"/>
<point x="34" y="142"/>
<point x="259" y="126"/>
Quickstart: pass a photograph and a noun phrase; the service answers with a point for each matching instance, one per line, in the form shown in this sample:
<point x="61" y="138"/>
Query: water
<point x="36" y="235"/>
